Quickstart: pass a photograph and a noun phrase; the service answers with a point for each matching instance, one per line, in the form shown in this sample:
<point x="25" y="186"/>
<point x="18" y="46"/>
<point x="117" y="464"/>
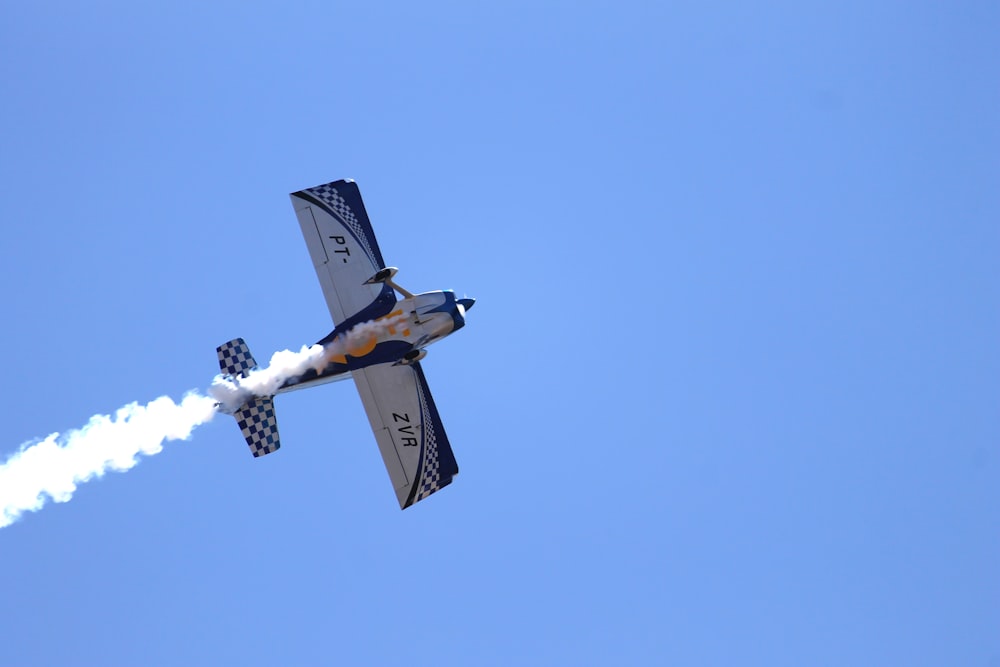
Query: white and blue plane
<point x="379" y="340"/>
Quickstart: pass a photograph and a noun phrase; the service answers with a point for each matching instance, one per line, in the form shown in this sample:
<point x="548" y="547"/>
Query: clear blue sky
<point x="729" y="395"/>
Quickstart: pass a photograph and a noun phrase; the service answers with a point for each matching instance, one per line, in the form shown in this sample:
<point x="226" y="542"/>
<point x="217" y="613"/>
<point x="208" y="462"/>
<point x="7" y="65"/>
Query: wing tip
<point x="410" y="499"/>
<point x="341" y="181"/>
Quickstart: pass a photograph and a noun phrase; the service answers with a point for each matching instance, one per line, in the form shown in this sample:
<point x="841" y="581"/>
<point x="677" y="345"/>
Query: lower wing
<point x="408" y="429"/>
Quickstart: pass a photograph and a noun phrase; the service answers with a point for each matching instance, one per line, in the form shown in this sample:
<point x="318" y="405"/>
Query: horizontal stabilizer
<point x="235" y="358"/>
<point x="256" y="417"/>
<point x="259" y="425"/>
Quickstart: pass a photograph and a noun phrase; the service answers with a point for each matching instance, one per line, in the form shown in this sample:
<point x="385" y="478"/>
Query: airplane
<point x="379" y="339"/>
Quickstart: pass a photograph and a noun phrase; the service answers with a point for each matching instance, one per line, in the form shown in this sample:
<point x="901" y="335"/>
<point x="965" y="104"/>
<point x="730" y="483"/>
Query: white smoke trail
<point x="56" y="465"/>
<point x="53" y="467"/>
<point x="231" y="392"/>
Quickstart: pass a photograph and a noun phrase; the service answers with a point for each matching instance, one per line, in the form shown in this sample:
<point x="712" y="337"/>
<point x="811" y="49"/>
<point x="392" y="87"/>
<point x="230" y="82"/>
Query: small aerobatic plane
<point x="379" y="340"/>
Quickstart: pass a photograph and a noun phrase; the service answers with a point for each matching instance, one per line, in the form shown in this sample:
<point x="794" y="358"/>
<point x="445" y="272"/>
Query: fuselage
<point x="388" y="331"/>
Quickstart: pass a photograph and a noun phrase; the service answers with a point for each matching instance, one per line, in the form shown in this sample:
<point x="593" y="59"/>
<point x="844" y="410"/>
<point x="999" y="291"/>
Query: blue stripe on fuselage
<point x="380" y="307"/>
<point x="384" y="352"/>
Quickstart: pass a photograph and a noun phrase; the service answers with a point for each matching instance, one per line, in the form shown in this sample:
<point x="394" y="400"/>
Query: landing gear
<point x="411" y="357"/>
<point x="385" y="276"/>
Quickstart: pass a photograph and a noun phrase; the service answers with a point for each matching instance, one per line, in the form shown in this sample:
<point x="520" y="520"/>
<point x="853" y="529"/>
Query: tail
<point x="255" y="417"/>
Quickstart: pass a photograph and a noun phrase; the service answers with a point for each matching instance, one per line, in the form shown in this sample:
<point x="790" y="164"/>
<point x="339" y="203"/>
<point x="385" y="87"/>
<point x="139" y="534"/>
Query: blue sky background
<point x="729" y="395"/>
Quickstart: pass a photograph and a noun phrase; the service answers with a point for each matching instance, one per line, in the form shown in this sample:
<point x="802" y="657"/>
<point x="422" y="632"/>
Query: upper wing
<point x="342" y="245"/>
<point x="408" y="429"/>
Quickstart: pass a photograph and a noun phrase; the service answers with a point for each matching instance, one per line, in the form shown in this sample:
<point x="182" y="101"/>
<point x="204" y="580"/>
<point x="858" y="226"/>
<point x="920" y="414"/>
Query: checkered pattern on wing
<point x="259" y="425"/>
<point x="430" y="475"/>
<point x="235" y="358"/>
<point x="332" y="198"/>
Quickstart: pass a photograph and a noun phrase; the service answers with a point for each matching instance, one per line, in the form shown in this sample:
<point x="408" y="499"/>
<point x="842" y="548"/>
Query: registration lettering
<point x="340" y="240"/>
<point x="408" y="437"/>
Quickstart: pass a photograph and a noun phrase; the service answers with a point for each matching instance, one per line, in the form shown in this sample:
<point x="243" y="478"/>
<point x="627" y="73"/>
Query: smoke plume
<point x="53" y="468"/>
<point x="232" y="392"/>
